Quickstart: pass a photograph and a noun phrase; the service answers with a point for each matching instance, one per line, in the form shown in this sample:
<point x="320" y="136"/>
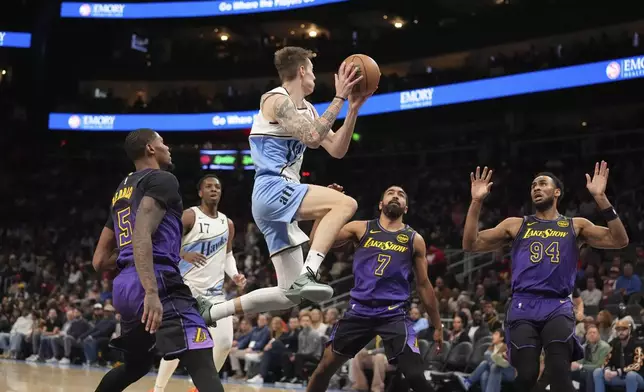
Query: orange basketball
<point x="368" y="68"/>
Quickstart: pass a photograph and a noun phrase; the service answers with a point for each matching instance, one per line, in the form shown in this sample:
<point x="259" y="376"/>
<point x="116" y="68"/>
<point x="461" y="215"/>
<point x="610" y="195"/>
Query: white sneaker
<point x="258" y="379"/>
<point x="64" y="361"/>
<point x="32" y="358"/>
<point x="51" y="360"/>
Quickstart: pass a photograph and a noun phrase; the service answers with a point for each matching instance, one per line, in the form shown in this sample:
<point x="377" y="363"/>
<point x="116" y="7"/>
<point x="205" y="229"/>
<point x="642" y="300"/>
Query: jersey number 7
<point x="383" y="262"/>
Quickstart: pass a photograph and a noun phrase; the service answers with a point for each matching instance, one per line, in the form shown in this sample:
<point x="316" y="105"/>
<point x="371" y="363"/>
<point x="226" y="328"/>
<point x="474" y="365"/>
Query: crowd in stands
<point x="193" y="100"/>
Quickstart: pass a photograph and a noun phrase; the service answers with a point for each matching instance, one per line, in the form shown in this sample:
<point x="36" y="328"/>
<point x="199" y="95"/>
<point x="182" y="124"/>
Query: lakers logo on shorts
<point x="402" y="238"/>
<point x="563" y="223"/>
<point x="200" y="336"/>
<point x="415" y="342"/>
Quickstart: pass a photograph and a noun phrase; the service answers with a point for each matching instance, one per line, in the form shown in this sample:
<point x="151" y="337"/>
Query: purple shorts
<point x="360" y="324"/>
<point x="536" y="322"/>
<point x="182" y="327"/>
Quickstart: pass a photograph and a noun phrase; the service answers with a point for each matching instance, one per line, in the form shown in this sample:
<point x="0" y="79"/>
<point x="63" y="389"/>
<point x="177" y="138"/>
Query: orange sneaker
<point x="193" y="389"/>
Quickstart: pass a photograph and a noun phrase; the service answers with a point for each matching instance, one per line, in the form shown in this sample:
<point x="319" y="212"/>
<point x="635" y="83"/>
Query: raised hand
<point x="356" y="101"/>
<point x="345" y="79"/>
<point x="597" y="184"/>
<point x="481" y="183"/>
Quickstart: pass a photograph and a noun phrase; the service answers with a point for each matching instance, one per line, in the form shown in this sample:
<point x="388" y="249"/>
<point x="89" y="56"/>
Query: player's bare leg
<point x="328" y="366"/>
<point x="333" y="209"/>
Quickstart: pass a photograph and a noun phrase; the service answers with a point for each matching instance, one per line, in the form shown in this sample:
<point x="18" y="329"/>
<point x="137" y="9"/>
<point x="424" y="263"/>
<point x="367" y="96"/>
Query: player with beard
<point x="387" y="255"/>
<point x="545" y="250"/>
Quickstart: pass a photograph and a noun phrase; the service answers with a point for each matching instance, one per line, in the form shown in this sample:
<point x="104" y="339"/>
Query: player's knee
<point x="350" y="204"/>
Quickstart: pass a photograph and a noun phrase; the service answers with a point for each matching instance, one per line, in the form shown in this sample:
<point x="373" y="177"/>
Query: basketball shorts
<point x="537" y="322"/>
<point x="360" y="324"/>
<point x="182" y="327"/>
<point x="275" y="202"/>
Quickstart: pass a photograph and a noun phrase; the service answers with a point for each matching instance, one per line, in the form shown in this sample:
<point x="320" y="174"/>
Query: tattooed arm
<point x="309" y="132"/>
<point x="148" y="218"/>
<point x="337" y="143"/>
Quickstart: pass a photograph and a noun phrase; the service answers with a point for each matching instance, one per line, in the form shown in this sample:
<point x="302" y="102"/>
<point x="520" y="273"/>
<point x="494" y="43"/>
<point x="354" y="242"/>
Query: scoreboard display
<point x="226" y="160"/>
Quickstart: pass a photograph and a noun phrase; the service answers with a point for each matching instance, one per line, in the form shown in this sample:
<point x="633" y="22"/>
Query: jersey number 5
<point x="125" y="227"/>
<point x="537" y="251"/>
<point x="383" y="262"/>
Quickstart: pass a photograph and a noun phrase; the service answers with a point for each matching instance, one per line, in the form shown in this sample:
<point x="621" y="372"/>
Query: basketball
<point x="368" y="68"/>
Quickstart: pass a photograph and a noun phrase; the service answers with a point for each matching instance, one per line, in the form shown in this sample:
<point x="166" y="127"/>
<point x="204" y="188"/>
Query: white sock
<point x="224" y="309"/>
<point x="313" y="260"/>
<point x="166" y="368"/>
<point x="262" y="300"/>
<point x="265" y="300"/>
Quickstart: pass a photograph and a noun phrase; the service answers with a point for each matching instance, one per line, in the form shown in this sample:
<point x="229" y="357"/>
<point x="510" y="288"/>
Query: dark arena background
<point x="520" y="86"/>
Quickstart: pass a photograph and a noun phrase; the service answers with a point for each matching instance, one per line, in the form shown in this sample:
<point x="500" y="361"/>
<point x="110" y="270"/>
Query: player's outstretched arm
<point x="423" y="285"/>
<point x="105" y="256"/>
<point x="612" y="237"/>
<point x="491" y="239"/>
<point x="337" y="143"/>
<point x="309" y="132"/>
<point x="312" y="131"/>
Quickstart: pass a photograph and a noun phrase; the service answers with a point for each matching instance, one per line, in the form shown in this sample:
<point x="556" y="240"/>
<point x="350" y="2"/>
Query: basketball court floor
<point x="19" y="376"/>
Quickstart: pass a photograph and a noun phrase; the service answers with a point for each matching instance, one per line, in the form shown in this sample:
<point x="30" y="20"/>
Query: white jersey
<point x="273" y="150"/>
<point x="209" y="236"/>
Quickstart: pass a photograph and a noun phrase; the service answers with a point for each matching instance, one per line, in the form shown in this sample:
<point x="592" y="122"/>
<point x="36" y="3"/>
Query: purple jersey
<point x="383" y="265"/>
<point x="544" y="258"/>
<point x="166" y="240"/>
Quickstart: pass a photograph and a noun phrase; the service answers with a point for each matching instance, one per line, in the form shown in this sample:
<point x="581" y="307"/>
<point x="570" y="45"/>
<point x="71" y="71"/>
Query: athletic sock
<point x="313" y="261"/>
<point x="166" y="369"/>
<point x="224" y="309"/>
<point x="265" y="300"/>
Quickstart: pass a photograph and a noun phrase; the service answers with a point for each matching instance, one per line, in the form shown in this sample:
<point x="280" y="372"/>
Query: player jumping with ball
<point x="545" y="250"/>
<point x="285" y="126"/>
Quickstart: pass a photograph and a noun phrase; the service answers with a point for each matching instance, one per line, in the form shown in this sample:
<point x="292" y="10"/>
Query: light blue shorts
<point x="275" y="202"/>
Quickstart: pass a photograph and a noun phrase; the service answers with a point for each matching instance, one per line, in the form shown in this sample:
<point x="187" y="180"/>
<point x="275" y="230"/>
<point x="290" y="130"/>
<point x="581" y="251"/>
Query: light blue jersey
<point x="277" y="192"/>
<point x="274" y="151"/>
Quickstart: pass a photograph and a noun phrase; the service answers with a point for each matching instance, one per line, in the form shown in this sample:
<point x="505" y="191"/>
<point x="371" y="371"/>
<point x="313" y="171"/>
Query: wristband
<point x="339" y="97"/>
<point x="609" y="214"/>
